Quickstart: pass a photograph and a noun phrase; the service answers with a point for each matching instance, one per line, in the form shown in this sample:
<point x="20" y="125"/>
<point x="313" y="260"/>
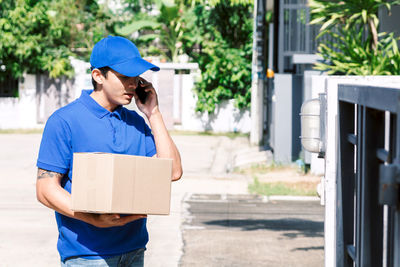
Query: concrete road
<point x="243" y="230"/>
<point x="27" y="229"/>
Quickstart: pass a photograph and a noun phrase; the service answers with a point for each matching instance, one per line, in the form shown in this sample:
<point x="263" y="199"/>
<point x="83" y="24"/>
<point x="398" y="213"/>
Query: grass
<point x="21" y="131"/>
<point x="279" y="185"/>
<point x="263" y="168"/>
<point x="283" y="189"/>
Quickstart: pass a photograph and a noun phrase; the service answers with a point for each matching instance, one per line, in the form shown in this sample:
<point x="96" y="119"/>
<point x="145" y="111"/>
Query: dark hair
<point x="103" y="71"/>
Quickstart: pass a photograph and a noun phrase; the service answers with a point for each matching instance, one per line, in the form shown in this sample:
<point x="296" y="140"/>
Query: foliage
<point x="157" y="35"/>
<point x="217" y="35"/>
<point x="352" y="43"/>
<point x="41" y="36"/>
<point x="358" y="58"/>
<point x="213" y="3"/>
<point x="171" y="29"/>
<point x="220" y="40"/>
<point x="143" y="29"/>
<point x="136" y="6"/>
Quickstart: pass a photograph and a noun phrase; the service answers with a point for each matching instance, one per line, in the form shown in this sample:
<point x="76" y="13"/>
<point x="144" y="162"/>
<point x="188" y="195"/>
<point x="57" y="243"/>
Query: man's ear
<point x="98" y="76"/>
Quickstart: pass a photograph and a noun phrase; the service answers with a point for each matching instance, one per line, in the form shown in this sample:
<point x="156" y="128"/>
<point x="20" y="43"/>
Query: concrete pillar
<point x="257" y="120"/>
<point x="257" y="86"/>
<point x="165" y="91"/>
<point x="286" y="119"/>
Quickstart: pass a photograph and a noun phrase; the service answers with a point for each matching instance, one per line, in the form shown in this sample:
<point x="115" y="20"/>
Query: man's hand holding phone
<point x="145" y="97"/>
<point x="141" y="92"/>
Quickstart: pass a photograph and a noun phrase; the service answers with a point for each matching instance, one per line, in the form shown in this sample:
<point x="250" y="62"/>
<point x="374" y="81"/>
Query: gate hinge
<point x="389" y="181"/>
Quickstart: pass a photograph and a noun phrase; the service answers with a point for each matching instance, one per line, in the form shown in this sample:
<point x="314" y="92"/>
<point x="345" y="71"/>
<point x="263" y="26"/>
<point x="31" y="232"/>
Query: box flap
<point x="142" y="185"/>
<point x="153" y="189"/>
<point x="92" y="182"/>
<point x="124" y="183"/>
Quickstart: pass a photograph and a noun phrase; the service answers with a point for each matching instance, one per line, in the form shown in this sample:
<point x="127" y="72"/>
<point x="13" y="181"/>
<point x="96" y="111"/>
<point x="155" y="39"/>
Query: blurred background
<point x="45" y="47"/>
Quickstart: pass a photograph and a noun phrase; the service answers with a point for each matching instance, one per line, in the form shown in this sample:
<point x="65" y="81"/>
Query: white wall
<point x="226" y="117"/>
<point x="20" y="112"/>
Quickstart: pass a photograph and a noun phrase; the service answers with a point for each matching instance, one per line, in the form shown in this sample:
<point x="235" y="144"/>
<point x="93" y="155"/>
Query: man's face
<point x="118" y="89"/>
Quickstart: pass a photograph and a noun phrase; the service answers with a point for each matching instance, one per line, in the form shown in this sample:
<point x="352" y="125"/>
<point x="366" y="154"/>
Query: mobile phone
<point x="140" y="92"/>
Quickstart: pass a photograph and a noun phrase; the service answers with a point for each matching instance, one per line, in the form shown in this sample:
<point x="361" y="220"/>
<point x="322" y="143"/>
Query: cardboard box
<point x="124" y="184"/>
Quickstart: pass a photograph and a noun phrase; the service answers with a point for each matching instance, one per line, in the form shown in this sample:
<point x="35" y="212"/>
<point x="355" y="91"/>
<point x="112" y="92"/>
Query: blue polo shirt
<point x="85" y="126"/>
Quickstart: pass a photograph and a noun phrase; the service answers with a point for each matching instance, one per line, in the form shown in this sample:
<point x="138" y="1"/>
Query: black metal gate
<point x="296" y="35"/>
<point x="368" y="177"/>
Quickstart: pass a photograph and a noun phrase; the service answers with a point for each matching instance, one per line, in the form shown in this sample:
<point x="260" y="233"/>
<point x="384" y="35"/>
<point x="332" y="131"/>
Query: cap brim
<point x="134" y="67"/>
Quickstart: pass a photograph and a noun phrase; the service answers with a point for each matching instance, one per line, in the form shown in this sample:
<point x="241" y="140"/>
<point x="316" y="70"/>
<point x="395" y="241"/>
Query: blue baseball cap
<point x="121" y="55"/>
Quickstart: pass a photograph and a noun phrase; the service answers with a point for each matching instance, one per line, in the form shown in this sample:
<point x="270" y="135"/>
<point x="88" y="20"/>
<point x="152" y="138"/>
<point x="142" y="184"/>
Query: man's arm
<point x="165" y="146"/>
<point x="51" y="194"/>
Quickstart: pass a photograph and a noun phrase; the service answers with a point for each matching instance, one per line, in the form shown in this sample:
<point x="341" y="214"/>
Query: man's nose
<point x="132" y="82"/>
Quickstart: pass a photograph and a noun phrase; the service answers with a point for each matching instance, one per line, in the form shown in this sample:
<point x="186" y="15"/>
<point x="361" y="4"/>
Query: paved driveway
<point x="243" y="230"/>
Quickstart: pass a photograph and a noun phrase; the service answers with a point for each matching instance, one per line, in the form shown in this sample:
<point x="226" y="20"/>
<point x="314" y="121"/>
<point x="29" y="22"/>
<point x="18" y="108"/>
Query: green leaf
<point x="318" y="20"/>
<point x="364" y="15"/>
<point x="137" y="26"/>
<point x="147" y="37"/>
<point x="327" y="24"/>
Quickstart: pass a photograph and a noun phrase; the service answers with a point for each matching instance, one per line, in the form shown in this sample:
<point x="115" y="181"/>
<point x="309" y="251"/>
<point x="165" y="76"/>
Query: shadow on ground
<point x="245" y="230"/>
<point x="306" y="228"/>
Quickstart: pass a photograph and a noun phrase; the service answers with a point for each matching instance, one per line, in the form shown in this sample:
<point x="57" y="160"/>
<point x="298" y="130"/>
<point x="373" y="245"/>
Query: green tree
<point x="217" y="35"/>
<point x="41" y="36"/>
<point x="219" y="38"/>
<point x="352" y="42"/>
<point x="158" y="35"/>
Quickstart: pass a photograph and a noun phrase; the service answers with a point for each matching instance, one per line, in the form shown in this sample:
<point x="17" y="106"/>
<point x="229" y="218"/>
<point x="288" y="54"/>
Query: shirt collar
<point x="118" y="112"/>
<point x="95" y="107"/>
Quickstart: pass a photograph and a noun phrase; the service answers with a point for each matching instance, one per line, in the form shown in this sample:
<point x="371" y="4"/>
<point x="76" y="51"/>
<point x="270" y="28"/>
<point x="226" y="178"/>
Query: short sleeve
<point x="55" y="151"/>
<point x="149" y="140"/>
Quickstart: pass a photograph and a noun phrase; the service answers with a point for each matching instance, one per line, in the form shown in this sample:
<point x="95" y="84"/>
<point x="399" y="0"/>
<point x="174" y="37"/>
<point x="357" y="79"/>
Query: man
<point x="97" y="122"/>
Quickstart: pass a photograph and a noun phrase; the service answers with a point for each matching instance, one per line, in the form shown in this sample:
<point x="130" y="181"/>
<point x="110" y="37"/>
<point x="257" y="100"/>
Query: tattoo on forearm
<point x="48" y="174"/>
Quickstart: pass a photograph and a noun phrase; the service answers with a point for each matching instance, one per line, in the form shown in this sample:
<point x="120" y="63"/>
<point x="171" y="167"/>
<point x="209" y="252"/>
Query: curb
<point x="187" y="197"/>
<point x="293" y="198"/>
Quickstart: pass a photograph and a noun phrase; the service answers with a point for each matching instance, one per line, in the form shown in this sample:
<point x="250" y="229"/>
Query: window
<point x="9" y="87"/>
